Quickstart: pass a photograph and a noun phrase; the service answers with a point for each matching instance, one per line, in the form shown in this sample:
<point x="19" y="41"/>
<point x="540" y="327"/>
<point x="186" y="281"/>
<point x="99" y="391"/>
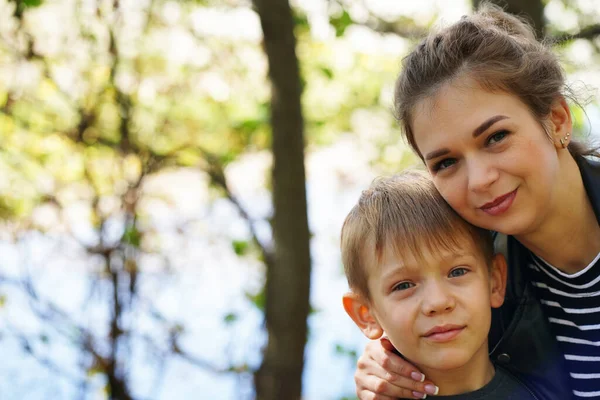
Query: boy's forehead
<point x="407" y="254"/>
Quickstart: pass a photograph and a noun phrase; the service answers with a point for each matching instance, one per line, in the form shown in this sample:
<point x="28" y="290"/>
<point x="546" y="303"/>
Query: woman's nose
<point x="481" y="173"/>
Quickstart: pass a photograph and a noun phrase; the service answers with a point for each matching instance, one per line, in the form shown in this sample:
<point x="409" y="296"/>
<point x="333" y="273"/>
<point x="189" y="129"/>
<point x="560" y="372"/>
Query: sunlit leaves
<point x="301" y="25"/>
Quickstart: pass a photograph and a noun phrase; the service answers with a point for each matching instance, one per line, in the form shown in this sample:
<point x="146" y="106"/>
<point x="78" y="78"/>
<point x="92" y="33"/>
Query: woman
<point x="483" y="104"/>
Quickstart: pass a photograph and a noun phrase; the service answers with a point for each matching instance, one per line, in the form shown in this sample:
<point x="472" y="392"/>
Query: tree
<point x="288" y="273"/>
<point x="533" y="10"/>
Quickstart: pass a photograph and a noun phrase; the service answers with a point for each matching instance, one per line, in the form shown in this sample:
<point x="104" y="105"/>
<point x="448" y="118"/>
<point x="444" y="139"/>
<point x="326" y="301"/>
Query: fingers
<point x="382" y="374"/>
<point x="382" y="384"/>
<point x="385" y="342"/>
<point x="393" y="363"/>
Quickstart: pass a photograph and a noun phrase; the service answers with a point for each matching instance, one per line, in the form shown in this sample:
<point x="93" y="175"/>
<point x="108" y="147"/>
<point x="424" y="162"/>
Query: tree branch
<point x="216" y="173"/>
<point x="589" y="32"/>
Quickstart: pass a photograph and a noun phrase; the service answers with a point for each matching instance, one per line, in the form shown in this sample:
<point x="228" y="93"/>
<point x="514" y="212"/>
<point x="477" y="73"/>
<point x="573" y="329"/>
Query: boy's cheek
<point x="403" y="337"/>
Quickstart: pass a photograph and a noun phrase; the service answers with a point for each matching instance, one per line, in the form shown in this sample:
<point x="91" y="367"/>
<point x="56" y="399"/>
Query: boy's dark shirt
<point x="503" y="386"/>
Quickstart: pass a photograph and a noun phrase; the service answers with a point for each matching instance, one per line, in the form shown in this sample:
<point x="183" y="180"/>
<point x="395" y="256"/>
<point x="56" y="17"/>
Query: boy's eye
<point x="445" y="163"/>
<point x="403" y="286"/>
<point x="457" y="272"/>
<point x="497" y="137"/>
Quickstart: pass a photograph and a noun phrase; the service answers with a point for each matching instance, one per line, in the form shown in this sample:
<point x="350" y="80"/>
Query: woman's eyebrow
<point x="478" y="131"/>
<point x="436" y="154"/>
<point x="484" y="126"/>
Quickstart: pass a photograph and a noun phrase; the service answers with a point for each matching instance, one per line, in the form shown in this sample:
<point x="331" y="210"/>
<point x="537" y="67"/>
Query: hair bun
<point x="491" y="14"/>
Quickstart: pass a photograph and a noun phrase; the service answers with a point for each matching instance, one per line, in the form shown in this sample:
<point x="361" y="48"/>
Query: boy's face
<point x="437" y="310"/>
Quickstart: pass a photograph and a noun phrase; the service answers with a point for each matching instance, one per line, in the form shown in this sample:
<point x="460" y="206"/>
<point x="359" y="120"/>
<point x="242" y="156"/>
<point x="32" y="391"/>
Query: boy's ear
<point x="359" y="310"/>
<point x="497" y="280"/>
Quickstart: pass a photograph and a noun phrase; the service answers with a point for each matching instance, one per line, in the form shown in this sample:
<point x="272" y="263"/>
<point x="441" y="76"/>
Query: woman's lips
<point x="500" y="204"/>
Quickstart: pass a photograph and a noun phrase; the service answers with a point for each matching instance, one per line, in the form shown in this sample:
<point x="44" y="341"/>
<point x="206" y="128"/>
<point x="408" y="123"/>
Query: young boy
<point x="428" y="279"/>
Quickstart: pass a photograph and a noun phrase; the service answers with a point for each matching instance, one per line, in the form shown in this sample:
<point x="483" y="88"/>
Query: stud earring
<point x="565" y="141"/>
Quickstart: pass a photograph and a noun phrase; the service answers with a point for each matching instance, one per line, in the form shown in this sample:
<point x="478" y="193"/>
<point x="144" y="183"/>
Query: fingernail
<point x="417" y="376"/>
<point x="432" y="389"/>
<point x="419" y="395"/>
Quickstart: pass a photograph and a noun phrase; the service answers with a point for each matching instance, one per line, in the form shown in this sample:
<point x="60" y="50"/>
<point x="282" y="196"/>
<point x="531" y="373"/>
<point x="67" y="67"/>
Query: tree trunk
<point x="533" y="10"/>
<point x="288" y="275"/>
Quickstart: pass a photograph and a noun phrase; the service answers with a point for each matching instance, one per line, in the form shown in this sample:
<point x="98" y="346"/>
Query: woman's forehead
<point x="457" y="108"/>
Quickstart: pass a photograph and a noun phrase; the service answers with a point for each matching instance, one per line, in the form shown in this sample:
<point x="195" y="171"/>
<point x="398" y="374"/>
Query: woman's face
<point x="489" y="157"/>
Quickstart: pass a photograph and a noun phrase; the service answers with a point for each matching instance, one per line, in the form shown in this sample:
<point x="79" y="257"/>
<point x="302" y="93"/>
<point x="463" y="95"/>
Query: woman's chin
<point x="513" y="225"/>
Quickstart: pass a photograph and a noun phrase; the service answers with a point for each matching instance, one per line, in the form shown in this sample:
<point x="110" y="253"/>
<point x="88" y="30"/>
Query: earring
<point x="565" y="141"/>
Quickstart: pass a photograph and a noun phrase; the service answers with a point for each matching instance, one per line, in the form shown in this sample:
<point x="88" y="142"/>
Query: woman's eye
<point x="445" y="163"/>
<point x="403" y="286"/>
<point x="497" y="137"/>
<point x="457" y="272"/>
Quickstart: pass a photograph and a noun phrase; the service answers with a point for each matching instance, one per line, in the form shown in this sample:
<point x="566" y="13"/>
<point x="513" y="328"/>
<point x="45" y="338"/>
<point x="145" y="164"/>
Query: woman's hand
<point x="383" y="375"/>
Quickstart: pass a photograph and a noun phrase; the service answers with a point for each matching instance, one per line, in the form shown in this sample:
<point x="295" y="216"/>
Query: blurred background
<point x="173" y="179"/>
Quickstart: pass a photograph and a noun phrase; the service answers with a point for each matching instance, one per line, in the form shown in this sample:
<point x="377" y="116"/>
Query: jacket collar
<point x="590" y="174"/>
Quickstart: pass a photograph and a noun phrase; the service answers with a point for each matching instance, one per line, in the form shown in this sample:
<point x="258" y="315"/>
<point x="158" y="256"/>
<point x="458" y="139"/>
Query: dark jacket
<point x="520" y="338"/>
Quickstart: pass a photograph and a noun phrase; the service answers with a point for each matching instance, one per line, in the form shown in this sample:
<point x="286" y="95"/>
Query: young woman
<point x="483" y="104"/>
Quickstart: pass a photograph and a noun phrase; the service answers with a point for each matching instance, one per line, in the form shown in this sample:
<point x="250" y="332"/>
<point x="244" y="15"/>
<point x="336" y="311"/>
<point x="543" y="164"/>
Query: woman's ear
<point x="497" y="280"/>
<point x="359" y="309"/>
<point x="560" y="123"/>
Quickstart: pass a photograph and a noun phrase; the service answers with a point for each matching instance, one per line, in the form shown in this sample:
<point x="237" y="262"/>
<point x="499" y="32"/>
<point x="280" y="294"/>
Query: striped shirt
<point x="571" y="302"/>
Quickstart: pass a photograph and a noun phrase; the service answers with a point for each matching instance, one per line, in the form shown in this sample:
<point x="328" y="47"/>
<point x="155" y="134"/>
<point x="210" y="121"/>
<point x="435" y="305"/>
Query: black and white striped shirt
<point x="571" y="303"/>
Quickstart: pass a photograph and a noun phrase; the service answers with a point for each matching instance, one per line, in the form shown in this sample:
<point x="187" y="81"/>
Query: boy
<point x="428" y="279"/>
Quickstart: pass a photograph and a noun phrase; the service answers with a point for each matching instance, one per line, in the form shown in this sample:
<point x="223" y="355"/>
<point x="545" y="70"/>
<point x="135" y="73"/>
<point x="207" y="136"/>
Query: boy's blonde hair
<point x="407" y="212"/>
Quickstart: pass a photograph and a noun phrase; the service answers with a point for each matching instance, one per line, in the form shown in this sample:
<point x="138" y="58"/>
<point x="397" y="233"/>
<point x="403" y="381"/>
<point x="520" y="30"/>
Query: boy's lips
<point x="499" y="204"/>
<point x="444" y="333"/>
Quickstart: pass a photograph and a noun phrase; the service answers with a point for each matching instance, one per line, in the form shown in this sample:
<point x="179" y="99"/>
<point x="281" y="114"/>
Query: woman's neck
<point x="569" y="237"/>
<point x="472" y="376"/>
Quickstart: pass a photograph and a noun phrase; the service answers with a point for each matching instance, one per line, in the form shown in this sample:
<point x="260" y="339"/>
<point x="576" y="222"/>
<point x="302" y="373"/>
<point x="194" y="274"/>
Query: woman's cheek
<point x="453" y="194"/>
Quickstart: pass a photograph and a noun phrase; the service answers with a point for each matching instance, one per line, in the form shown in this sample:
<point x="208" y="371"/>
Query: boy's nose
<point x="437" y="299"/>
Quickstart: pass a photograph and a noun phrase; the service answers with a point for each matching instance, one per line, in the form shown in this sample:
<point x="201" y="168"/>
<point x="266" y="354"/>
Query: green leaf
<point x="300" y="19"/>
<point x="328" y="72"/>
<point x="345" y="351"/>
<point x="230" y="318"/>
<point x="341" y="23"/>
<point x="132" y="236"/>
<point x="240" y="247"/>
<point x="259" y="299"/>
<point x="30" y="3"/>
